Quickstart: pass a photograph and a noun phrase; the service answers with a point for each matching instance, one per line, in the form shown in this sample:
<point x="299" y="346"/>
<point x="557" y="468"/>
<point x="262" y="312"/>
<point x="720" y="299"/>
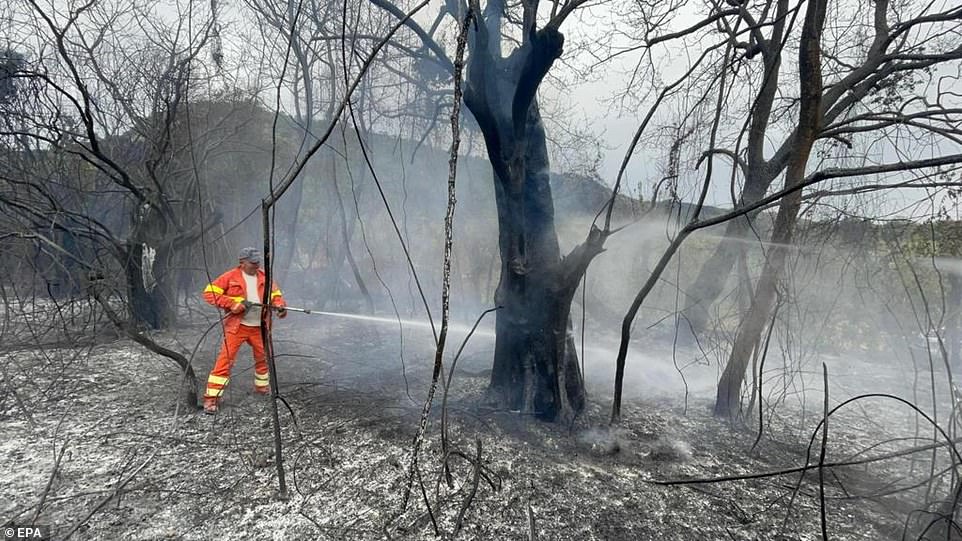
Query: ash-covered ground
<point x="95" y="445"/>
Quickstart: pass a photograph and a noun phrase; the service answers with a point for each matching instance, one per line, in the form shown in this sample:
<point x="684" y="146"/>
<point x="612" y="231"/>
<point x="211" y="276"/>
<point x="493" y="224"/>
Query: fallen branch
<point x="112" y="495"/>
<point x="190" y="393"/>
<point x="46" y="490"/>
<point x="532" y="527"/>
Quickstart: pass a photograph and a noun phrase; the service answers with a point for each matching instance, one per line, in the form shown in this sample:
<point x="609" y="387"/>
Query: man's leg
<point x="220" y="374"/>
<point x="261" y="376"/>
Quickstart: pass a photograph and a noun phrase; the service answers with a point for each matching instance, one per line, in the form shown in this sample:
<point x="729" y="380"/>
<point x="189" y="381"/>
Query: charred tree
<point x="535" y="362"/>
<point x="151" y="299"/>
<point x="809" y="120"/>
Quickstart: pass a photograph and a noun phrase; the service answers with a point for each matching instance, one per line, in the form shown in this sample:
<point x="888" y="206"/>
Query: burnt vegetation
<point x="739" y="318"/>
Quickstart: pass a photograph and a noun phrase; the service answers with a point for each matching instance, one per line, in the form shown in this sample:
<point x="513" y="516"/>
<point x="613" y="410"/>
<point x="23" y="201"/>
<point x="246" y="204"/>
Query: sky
<point x="587" y="98"/>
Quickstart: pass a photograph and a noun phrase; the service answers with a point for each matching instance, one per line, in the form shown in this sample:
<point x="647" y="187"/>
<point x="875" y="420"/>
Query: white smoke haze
<point x="844" y="309"/>
<point x="604" y="440"/>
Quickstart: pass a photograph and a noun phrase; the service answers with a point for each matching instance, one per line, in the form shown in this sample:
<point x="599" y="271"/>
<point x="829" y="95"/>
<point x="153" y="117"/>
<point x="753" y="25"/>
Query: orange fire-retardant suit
<point x="227" y="292"/>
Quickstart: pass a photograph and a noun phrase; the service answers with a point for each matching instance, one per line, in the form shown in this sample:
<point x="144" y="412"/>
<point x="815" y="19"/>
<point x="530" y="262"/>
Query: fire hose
<point x="248" y="304"/>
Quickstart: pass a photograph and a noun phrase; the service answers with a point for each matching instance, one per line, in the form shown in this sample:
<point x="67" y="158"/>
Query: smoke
<point x="669" y="450"/>
<point x="845" y="294"/>
<point x="604" y="440"/>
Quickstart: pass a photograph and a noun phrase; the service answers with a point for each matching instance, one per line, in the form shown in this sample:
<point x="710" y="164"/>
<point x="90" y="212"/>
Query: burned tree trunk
<point x="885" y="64"/>
<point x="149" y="253"/>
<point x="809" y="120"/>
<point x="151" y="299"/>
<point x="188" y="391"/>
<point x="535" y="363"/>
<point x="150" y="291"/>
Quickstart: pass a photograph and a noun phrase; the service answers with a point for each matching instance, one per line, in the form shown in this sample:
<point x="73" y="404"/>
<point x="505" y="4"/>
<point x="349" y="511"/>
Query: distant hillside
<point x="575" y="196"/>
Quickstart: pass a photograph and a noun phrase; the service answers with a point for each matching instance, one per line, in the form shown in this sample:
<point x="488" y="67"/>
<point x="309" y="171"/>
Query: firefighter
<point x="233" y="292"/>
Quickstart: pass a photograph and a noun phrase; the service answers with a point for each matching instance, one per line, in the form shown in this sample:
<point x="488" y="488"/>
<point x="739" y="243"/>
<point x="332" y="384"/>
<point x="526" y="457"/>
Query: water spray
<point x="375" y="319"/>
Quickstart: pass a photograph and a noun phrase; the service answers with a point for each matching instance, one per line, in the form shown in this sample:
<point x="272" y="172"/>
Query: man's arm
<point x="277" y="300"/>
<point x="214" y="294"/>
